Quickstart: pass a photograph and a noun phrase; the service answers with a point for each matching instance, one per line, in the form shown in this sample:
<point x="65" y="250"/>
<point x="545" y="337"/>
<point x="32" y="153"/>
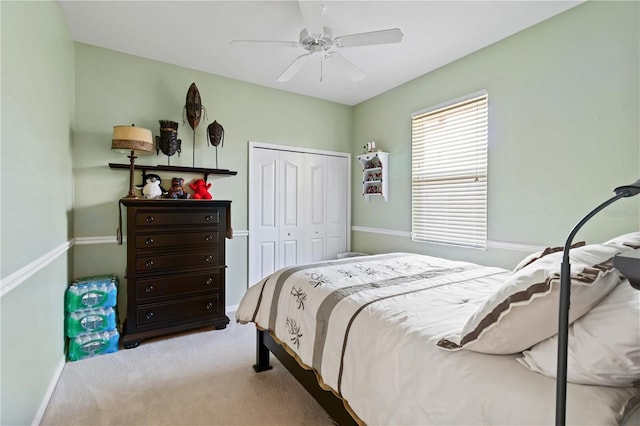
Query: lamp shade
<point x="131" y="138"/>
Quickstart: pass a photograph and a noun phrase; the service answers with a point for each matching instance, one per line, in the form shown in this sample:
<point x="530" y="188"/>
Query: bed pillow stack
<point x="604" y="344"/>
<point x="523" y="311"/>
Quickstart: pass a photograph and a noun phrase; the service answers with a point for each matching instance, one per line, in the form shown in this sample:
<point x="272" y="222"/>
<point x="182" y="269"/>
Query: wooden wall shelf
<point x="182" y="169"/>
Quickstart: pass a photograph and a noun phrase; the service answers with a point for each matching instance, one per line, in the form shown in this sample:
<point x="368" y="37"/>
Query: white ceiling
<point x="197" y="35"/>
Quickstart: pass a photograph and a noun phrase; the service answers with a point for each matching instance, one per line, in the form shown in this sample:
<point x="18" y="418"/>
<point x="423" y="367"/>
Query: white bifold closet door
<point x="298" y="209"/>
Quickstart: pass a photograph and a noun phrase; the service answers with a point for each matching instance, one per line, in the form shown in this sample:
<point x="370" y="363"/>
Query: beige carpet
<point x="196" y="378"/>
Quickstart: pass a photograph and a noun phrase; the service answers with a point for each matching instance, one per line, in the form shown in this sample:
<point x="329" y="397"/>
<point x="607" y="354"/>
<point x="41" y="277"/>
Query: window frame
<point x="458" y="182"/>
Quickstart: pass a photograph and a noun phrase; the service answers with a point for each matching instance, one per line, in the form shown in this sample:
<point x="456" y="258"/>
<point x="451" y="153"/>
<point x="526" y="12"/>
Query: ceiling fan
<point x="318" y="39"/>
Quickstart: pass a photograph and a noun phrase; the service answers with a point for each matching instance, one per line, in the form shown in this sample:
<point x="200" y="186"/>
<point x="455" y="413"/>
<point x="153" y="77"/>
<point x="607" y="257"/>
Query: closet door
<point x="291" y="221"/>
<point x="298" y="209"/>
<point x="264" y="219"/>
<point x="337" y="182"/>
<point x="315" y="241"/>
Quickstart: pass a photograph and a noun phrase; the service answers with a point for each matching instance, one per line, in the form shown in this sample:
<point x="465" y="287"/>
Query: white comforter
<point x="369" y="326"/>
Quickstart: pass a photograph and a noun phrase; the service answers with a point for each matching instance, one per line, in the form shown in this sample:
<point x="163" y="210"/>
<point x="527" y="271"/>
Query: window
<point x="449" y="172"/>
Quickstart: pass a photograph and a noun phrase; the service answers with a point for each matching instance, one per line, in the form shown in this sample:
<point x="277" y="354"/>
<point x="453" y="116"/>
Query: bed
<point x="402" y="338"/>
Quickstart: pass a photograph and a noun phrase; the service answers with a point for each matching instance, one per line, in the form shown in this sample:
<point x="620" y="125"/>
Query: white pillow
<point x="604" y="345"/>
<point x="631" y="239"/>
<point x="524" y="310"/>
<point x="542" y="253"/>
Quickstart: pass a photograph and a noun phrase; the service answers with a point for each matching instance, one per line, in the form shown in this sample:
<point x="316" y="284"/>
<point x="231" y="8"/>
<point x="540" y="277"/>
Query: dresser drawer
<point x="196" y="259"/>
<point x="184" y="309"/>
<point x="177" y="239"/>
<point x="174" y="218"/>
<point x="175" y="266"/>
<point x="179" y="285"/>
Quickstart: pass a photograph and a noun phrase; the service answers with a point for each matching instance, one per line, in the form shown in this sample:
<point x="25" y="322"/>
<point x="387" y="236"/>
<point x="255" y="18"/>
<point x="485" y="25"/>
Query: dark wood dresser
<point x="175" y="266"/>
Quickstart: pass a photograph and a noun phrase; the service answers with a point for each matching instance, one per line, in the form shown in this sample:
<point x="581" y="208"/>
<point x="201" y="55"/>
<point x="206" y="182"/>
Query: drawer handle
<point x="209" y="281"/>
<point x="208" y="258"/>
<point x="149" y="289"/>
<point x="209" y="306"/>
<point x="208" y="218"/>
<point x="149" y="219"/>
<point x="149" y="263"/>
<point x="208" y="237"/>
<point x="148" y="241"/>
<point x="149" y="315"/>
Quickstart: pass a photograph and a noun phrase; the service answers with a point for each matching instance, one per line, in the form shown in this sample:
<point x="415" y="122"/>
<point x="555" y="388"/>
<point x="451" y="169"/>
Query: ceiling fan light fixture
<point x="316" y="38"/>
<point x="316" y="43"/>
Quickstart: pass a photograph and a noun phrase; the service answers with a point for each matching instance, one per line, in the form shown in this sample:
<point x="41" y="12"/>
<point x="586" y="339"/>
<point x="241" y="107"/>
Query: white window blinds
<point x="449" y="172"/>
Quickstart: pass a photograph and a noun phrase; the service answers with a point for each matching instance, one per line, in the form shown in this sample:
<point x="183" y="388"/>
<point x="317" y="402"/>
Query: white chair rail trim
<point x="14" y="280"/>
<point x="528" y="248"/>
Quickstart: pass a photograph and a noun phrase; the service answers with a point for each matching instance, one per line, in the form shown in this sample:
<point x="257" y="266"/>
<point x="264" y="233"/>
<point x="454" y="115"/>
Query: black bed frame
<point x="307" y="378"/>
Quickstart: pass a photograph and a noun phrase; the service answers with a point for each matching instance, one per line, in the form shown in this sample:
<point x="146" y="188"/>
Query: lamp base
<point x="132" y="192"/>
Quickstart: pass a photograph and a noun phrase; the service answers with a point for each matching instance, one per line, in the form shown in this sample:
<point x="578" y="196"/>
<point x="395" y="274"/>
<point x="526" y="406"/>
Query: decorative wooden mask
<point x="168" y="141"/>
<point x="215" y="134"/>
<point x="193" y="106"/>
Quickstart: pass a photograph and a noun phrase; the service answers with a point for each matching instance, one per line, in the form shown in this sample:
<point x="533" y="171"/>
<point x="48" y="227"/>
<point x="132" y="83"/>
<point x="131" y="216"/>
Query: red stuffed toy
<point x="200" y="189"/>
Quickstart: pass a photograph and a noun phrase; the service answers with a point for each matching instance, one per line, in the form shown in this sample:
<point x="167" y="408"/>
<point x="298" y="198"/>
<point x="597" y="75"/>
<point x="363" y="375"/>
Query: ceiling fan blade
<point x="312" y="16"/>
<point x="266" y="43"/>
<point x="344" y="65"/>
<point x="393" y="35"/>
<point x="294" y="67"/>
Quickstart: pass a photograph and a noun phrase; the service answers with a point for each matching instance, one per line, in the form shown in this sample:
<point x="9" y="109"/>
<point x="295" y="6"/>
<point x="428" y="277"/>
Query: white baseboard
<point x="231" y="308"/>
<point x="47" y="397"/>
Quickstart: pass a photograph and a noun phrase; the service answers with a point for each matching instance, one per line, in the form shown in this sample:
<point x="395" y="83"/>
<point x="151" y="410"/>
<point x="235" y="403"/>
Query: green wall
<point x="37" y="197"/>
<point x="114" y="88"/>
<point x="564" y="95"/>
<point x="563" y="132"/>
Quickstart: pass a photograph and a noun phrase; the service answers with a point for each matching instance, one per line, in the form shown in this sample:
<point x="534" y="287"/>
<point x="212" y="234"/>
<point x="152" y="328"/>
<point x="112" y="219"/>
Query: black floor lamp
<point x="565" y="295"/>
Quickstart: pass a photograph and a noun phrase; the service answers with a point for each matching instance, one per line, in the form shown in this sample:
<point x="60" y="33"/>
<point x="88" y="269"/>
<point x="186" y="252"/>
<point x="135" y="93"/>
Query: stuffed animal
<point x="177" y="191"/>
<point x="145" y="180"/>
<point x="152" y="188"/>
<point x="200" y="189"/>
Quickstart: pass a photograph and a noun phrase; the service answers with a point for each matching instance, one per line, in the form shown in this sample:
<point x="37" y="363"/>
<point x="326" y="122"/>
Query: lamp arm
<point x="563" y="319"/>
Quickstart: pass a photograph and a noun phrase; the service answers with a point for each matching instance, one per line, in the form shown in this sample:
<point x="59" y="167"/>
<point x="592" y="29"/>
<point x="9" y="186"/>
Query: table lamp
<point x="131" y="138"/>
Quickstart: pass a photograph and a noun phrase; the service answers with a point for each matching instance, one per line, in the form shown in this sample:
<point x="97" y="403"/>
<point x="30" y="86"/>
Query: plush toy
<point x="200" y="189"/>
<point x="177" y="191"/>
<point x="152" y="188"/>
<point x="145" y="180"/>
